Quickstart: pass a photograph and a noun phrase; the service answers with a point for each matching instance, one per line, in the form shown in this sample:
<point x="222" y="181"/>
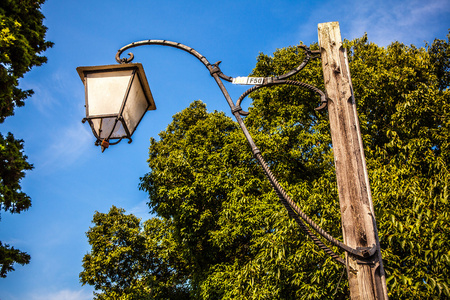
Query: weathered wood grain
<point x="357" y="214"/>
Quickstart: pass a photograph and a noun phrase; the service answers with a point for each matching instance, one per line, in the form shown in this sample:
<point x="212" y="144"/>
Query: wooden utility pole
<point x="365" y="275"/>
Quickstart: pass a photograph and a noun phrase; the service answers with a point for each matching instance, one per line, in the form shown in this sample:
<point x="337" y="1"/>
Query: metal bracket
<point x="323" y="103"/>
<point x="367" y="251"/>
<point x="215" y="68"/>
<point x="315" y="54"/>
<point x="237" y="108"/>
<point x="368" y="255"/>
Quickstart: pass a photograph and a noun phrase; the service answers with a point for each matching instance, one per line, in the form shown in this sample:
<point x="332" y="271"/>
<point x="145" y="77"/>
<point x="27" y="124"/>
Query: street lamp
<point x="117" y="97"/>
<point x="114" y="109"/>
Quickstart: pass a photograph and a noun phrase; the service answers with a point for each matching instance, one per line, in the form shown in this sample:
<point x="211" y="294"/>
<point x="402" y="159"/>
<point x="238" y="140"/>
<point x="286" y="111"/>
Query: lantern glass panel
<point x="104" y="126"/>
<point x="105" y="91"/>
<point x="136" y="106"/>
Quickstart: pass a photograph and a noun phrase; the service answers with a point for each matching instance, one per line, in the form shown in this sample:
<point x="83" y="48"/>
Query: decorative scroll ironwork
<point x="293" y="210"/>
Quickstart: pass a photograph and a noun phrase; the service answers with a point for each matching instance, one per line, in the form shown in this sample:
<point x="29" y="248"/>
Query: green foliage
<point x="13" y="164"/>
<point x="10" y="256"/>
<point x="404" y="111"/>
<point x="439" y="53"/>
<point x="130" y="261"/>
<point x="22" y="39"/>
<point x="220" y="231"/>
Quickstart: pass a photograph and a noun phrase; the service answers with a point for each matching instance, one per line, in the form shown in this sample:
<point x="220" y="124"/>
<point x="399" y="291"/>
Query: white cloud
<point x="386" y="22"/>
<point x="141" y="210"/>
<point x="85" y="293"/>
<point x="68" y="145"/>
<point x="54" y="89"/>
<point x="63" y="295"/>
<point x="410" y="22"/>
<point x="43" y="98"/>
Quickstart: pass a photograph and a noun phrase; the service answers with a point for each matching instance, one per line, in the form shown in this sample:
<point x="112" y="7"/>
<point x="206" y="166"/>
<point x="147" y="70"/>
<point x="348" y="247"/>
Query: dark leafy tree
<point x="131" y="261"/>
<point x="22" y="40"/>
<point x="439" y="53"/>
<point x="10" y="256"/>
<point x="233" y="240"/>
<point x="403" y="106"/>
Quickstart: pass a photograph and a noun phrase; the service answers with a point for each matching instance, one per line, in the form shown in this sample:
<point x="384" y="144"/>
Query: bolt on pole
<point x="366" y="276"/>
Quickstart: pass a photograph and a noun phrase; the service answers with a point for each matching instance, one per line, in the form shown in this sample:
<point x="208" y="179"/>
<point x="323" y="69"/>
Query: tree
<point x="131" y="261"/>
<point x="232" y="238"/>
<point x="405" y="108"/>
<point x="22" y="39"/>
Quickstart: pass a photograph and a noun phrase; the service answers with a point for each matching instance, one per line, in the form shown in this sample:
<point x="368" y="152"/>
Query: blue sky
<point x="72" y="178"/>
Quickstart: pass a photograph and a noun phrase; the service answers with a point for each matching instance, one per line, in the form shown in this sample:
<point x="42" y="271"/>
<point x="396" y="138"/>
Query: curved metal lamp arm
<point x="293" y="210"/>
<point x="211" y="67"/>
<point x="309" y="54"/>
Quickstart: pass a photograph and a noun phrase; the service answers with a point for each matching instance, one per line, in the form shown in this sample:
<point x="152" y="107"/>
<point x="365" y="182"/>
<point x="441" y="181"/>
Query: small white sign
<point x="248" y="80"/>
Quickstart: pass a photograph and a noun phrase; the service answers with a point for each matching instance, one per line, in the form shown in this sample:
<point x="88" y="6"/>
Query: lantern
<point x="117" y="97"/>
